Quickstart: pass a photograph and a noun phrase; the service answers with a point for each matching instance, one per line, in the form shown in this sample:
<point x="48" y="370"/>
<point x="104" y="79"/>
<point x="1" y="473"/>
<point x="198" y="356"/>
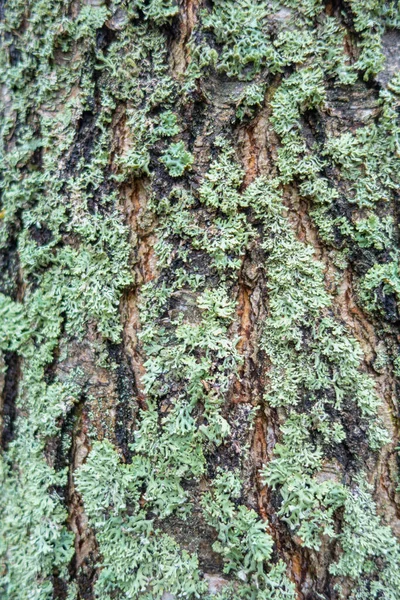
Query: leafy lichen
<point x="67" y="78"/>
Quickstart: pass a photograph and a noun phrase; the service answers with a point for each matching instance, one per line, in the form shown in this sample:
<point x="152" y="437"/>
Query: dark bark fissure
<point x="10" y="392"/>
<point x="126" y="390"/>
<point x="82" y="568"/>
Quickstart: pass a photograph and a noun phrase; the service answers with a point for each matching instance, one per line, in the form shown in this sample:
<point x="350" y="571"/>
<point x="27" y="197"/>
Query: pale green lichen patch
<point x="176" y="159"/>
<point x="191" y="362"/>
<point x="73" y="265"/>
<point x="90" y="103"/>
<point x="138" y="561"/>
<point x="366" y="543"/>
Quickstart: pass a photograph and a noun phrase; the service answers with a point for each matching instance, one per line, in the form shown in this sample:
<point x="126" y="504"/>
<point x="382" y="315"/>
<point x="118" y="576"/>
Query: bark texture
<point x="199" y="288"/>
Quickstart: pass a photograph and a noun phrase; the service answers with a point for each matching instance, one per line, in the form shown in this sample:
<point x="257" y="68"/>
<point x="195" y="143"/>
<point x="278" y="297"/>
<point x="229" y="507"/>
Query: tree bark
<point x="199" y="287"/>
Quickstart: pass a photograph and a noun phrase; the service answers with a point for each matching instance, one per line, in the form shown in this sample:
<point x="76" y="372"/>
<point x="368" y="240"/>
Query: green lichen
<point x="190" y="367"/>
<point x="176" y="159"/>
<point x="138" y="561"/>
<point x="366" y="543"/>
<point x="159" y="11"/>
<point x="64" y="81"/>
<point x="242" y="29"/>
<point x="242" y="539"/>
<point x="167" y="125"/>
<point x="252" y="98"/>
<point x="73" y="266"/>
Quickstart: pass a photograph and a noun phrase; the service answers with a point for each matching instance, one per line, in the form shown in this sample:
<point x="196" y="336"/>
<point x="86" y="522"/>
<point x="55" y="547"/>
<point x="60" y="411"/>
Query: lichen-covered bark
<point x="199" y="287"/>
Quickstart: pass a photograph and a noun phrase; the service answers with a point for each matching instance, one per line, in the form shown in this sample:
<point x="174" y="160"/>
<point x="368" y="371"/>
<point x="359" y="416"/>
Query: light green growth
<point x="328" y="368"/>
<point x="242" y="539"/>
<point x="301" y="91"/>
<point x="73" y="265"/>
<point x="370" y="19"/>
<point x="396" y="366"/>
<point x="183" y="358"/>
<point x="126" y="69"/>
<point x="138" y="561"/>
<point x="297" y="302"/>
<point x="382" y="359"/>
<point x="226" y="237"/>
<point x="369" y="165"/>
<point x="313" y="360"/>
<point x="244" y="544"/>
<point x="191" y="361"/>
<point x="166" y="451"/>
<point x="33" y="538"/>
<point x="276" y="586"/>
<point x="159" y="11"/>
<point x="64" y="81"/>
<point x="367" y="159"/>
<point x="220" y="188"/>
<point x="373" y="232"/>
<point x="141" y="562"/>
<point x="246" y="48"/>
<point x="176" y="159"/>
<point x="369" y="549"/>
<point x="384" y="279"/>
<point x="74" y="273"/>
<point x="241" y="27"/>
<point x="136" y="158"/>
<point x="167" y="125"/>
<point x="252" y="98"/>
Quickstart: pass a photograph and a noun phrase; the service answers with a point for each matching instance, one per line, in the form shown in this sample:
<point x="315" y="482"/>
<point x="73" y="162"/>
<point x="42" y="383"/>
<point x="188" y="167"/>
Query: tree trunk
<point x="200" y="346"/>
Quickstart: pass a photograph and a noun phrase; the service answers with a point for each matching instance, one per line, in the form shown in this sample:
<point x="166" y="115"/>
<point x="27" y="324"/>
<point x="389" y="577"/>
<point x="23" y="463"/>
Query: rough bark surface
<point x="199" y="288"/>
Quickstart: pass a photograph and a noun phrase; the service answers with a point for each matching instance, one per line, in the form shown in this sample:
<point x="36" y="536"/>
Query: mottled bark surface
<point x="199" y="287"/>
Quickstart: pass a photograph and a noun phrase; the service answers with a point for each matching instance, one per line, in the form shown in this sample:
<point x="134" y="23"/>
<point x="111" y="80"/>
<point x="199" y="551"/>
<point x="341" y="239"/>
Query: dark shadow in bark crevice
<point x="10" y="393"/>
